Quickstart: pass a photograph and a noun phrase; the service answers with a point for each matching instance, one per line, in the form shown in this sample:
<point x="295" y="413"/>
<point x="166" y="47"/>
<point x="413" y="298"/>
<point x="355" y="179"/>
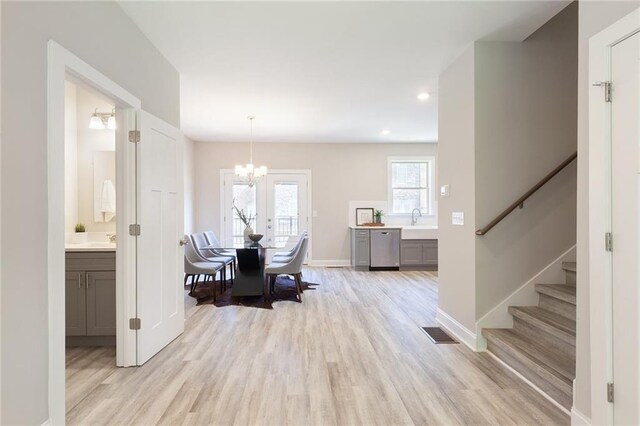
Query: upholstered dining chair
<point x="194" y="266"/>
<point x="292" y="267"/>
<point x="199" y="242"/>
<point x="213" y="241"/>
<point x="285" y="256"/>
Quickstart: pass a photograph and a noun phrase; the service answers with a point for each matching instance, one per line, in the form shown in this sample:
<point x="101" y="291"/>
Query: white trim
<point x="579" y="419"/>
<point x="525" y="295"/>
<point x="431" y="182"/>
<point x="331" y="263"/>
<point x="600" y="261"/>
<point x="47" y="422"/>
<point x="60" y="63"/>
<point x="458" y="330"/>
<point x="524" y="379"/>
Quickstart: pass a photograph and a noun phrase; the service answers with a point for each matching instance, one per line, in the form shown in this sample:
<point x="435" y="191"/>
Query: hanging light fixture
<point x="249" y="172"/>
<point x="103" y="120"/>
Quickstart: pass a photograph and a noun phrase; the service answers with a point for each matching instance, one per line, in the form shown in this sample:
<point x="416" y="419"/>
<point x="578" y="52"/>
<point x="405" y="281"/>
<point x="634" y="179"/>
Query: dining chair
<point x="285" y="256"/>
<point x="199" y="243"/>
<point x="220" y="251"/>
<point x="292" y="267"/>
<point x="194" y="266"/>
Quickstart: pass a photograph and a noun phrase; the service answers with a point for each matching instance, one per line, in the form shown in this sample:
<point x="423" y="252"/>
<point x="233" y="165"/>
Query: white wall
<point x="456" y="168"/>
<point x="507" y="118"/>
<point x="104" y="37"/>
<point x="526" y="116"/>
<point x="340" y="173"/>
<point x="189" y="186"/>
<point x="594" y="16"/>
<point x="70" y="157"/>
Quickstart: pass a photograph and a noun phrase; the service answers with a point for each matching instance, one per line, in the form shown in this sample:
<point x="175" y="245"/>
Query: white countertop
<point x="416" y="232"/>
<point x="90" y="246"/>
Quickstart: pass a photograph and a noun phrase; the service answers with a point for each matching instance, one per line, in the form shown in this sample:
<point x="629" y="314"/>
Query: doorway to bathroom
<point x="90" y="238"/>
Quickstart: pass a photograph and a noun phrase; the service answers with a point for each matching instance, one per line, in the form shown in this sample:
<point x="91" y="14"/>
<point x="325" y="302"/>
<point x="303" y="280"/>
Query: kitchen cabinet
<point x="419" y="254"/>
<point x="90" y="299"/>
<point x="360" y="248"/>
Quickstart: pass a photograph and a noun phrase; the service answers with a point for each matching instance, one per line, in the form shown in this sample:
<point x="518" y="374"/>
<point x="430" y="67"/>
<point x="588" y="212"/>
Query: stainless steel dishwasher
<point x="385" y="248"/>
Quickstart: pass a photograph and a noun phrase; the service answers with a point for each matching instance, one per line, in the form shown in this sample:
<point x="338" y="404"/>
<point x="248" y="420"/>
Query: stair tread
<point x="554" y="320"/>
<point x="553" y="362"/>
<point x="563" y="292"/>
<point x="569" y="266"/>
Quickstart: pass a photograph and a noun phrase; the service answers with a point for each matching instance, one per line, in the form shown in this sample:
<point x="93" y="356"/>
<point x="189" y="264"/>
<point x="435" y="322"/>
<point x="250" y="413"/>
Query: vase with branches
<point x="246" y="218"/>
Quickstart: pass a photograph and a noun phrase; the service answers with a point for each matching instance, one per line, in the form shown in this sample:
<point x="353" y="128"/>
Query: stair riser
<point x="559" y="391"/>
<point x="570" y="277"/>
<point x="544" y="337"/>
<point x="557" y="306"/>
<point x="543" y="327"/>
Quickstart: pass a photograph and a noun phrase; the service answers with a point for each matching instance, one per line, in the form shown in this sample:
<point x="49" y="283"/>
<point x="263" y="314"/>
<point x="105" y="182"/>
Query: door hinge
<point x="134" y="323"/>
<point x="608" y="241"/>
<point x="610" y="392"/>
<point x="607" y="89"/>
<point x="134" y="136"/>
<point x="134" y="230"/>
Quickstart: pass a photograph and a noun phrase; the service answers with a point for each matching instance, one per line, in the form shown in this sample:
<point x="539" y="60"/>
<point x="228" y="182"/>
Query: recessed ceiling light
<point x="423" y="96"/>
<point x="386" y="132"/>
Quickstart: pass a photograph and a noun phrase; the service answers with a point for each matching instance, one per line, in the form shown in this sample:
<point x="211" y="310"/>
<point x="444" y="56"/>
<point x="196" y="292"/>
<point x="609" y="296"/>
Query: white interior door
<point x="625" y="145"/>
<point x="160" y="303"/>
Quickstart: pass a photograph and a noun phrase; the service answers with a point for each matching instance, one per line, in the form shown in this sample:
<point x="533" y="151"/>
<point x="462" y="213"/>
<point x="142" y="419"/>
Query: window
<point x="410" y="185"/>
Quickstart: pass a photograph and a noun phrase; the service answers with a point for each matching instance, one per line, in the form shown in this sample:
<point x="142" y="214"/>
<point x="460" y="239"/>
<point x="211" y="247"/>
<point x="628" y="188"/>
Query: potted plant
<point x="377" y="216"/>
<point x="247" y="219"/>
<point x="80" y="236"/>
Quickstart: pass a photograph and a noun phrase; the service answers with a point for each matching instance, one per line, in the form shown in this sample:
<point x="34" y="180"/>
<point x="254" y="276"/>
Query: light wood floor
<point x="352" y="353"/>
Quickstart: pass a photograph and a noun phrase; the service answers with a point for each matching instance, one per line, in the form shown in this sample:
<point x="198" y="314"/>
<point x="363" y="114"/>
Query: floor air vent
<point x="437" y="335"/>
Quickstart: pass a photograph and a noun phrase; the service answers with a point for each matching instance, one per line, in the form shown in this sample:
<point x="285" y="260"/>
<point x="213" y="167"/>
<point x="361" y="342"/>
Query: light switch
<point x="315" y="213"/>
<point x="444" y="191"/>
<point x="457" y="218"/>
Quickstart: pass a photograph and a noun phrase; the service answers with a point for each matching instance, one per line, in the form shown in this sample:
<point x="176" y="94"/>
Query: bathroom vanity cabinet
<point x="90" y="299"/>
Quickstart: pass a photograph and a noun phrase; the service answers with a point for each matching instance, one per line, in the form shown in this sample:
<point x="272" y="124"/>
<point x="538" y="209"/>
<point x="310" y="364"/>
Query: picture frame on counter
<point x="364" y="216"/>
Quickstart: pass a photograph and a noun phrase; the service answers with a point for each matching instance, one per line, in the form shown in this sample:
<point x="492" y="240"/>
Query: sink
<point x="419" y="233"/>
<point x="91" y="246"/>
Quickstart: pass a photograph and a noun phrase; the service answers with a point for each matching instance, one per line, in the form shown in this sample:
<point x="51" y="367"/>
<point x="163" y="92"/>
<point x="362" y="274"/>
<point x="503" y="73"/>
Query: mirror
<point x="104" y="186"/>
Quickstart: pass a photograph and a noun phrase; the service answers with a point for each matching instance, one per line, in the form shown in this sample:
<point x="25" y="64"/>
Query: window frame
<point x="431" y="172"/>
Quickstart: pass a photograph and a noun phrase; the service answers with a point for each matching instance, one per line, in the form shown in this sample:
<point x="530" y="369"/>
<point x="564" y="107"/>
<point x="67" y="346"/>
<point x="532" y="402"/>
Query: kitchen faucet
<point x="414" y="219"/>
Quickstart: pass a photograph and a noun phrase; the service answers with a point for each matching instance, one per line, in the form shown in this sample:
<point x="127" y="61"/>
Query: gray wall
<point x="594" y="17"/>
<point x="103" y="36"/>
<point x="507" y="117"/>
<point x="525" y="126"/>
<point x="456" y="168"/>
<point x="340" y="173"/>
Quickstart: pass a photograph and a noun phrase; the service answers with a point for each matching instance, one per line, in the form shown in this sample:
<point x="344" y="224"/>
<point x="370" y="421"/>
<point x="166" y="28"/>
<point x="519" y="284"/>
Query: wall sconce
<point x="103" y="120"/>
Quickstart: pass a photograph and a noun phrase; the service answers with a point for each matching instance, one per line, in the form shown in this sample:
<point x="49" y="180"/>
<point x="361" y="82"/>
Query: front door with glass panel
<point x="280" y="202"/>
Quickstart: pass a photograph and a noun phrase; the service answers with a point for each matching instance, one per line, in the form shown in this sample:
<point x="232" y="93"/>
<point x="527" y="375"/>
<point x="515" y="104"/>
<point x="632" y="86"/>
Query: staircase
<point x="541" y="346"/>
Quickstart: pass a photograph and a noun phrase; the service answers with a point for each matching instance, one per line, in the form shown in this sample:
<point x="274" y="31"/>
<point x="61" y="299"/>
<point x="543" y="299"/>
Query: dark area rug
<point x="285" y="292"/>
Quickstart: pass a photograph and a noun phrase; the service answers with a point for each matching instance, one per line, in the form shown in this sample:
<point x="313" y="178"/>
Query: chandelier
<point x="248" y="172"/>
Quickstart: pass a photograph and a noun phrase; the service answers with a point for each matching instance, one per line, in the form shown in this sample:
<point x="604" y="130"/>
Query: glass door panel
<point x="245" y="199"/>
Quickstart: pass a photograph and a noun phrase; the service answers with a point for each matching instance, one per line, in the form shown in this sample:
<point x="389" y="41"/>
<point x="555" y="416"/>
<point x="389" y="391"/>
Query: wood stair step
<point x="569" y="266"/>
<point x="553" y="377"/>
<point x="554" y="324"/>
<point x="566" y="293"/>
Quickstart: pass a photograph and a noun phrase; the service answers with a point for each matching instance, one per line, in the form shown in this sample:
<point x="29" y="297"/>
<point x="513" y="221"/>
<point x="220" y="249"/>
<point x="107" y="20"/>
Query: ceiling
<point x="321" y="71"/>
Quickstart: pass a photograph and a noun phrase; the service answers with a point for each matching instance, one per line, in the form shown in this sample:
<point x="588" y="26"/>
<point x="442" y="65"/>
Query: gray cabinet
<point x="360" y="247"/>
<point x="419" y="254"/>
<point x="90" y="298"/>
<point x="75" y="304"/>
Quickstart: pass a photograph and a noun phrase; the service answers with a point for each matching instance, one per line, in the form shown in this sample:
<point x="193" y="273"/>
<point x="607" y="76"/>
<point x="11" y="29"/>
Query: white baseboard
<point x="458" y="330"/>
<point x="47" y="422"/>
<point x="525" y="295"/>
<point x="527" y="381"/>
<point x="329" y="263"/>
<point x="579" y="419"/>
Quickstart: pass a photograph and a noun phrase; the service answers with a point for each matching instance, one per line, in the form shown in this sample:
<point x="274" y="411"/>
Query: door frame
<point x="600" y="220"/>
<point x="306" y="172"/>
<point x="60" y="64"/>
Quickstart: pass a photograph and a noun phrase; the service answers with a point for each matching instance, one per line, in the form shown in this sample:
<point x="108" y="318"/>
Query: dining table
<point x="249" y="275"/>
